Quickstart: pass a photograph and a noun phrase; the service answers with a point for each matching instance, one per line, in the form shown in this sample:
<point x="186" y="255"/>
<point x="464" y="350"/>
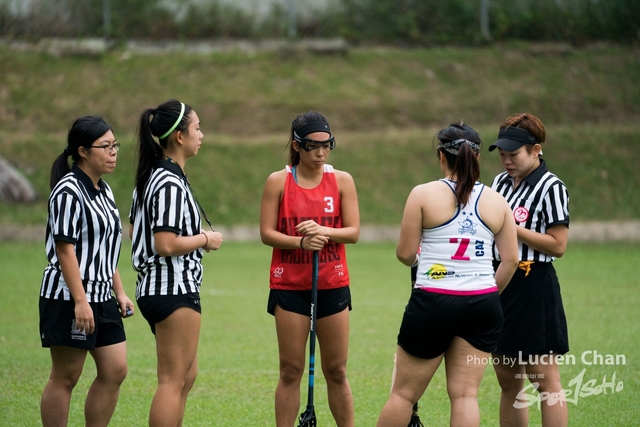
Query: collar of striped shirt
<point x="86" y="181"/>
<point x="171" y="165"/>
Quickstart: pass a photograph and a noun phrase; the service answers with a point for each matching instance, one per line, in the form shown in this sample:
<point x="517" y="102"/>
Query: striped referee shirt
<point x="87" y="217"/>
<point x="167" y="205"/>
<point x="540" y="202"/>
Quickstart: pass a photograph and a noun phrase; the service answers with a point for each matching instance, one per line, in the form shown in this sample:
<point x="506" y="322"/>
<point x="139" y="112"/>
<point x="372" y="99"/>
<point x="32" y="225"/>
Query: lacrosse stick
<point x="308" y="417"/>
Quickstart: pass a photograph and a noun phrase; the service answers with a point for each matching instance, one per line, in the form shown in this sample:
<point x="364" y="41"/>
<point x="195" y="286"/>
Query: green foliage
<point x="576" y="21"/>
<point x="237" y="356"/>
<point x="404" y="22"/>
<point x="141" y="19"/>
<point x="72" y="18"/>
<point x="216" y="19"/>
<point x="408" y="21"/>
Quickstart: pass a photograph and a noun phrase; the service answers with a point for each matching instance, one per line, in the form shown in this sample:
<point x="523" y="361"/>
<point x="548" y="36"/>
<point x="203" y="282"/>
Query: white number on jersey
<point x="329" y="208"/>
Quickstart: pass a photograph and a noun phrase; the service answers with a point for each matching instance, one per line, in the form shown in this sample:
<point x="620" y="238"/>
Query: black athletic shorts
<point x="156" y="308"/>
<point x="330" y="301"/>
<point x="58" y="321"/>
<point x="534" y="318"/>
<point x="432" y="320"/>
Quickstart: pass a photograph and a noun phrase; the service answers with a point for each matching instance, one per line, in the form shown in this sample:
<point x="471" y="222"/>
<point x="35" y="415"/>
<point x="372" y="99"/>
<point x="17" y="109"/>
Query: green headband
<point x="175" y="124"/>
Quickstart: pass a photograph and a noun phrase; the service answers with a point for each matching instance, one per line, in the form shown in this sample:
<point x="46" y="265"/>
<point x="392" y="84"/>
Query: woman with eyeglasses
<point x="454" y="313"/>
<point x="168" y="244"/>
<point x="310" y="206"/>
<point x="78" y="310"/>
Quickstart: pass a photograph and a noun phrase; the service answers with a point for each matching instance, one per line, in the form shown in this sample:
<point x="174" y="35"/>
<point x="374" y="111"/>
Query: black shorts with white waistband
<point x="330" y="301"/>
<point x="432" y="320"/>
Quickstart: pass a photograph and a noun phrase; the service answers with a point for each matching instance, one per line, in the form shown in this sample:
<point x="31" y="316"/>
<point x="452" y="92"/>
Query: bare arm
<point x="71" y="273"/>
<point x="167" y="243"/>
<point x="410" y="228"/>
<point x="553" y="242"/>
<point x="269" y="207"/>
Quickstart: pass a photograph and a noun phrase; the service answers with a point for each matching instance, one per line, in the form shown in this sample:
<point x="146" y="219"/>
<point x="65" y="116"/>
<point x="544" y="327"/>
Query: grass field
<point x="238" y="354"/>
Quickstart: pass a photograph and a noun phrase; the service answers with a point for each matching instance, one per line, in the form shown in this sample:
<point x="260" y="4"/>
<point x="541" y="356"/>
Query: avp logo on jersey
<point x="438" y="271"/>
<point x="521" y="214"/>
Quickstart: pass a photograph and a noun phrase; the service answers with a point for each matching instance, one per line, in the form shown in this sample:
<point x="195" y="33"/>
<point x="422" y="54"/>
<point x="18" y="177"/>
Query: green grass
<point x="385" y="105"/>
<point x="238" y="353"/>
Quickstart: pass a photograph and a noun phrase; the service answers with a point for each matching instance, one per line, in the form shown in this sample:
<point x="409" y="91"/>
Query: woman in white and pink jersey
<point x="454" y="311"/>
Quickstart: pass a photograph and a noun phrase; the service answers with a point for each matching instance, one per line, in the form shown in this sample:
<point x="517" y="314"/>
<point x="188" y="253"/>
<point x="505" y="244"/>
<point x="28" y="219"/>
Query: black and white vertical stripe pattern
<point x="168" y="205"/>
<point x="88" y="218"/>
<point x="546" y="199"/>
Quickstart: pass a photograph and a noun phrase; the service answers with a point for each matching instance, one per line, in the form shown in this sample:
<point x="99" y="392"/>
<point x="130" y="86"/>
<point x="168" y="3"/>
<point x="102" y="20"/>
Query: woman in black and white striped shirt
<point x="167" y="248"/>
<point x="78" y="313"/>
<point x="535" y="326"/>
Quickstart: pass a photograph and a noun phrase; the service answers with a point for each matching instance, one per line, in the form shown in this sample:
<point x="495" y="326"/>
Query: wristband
<point x="301" y="240"/>
<point x="206" y="237"/>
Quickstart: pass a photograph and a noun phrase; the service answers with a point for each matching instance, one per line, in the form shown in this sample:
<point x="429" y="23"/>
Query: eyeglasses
<point x="311" y="144"/>
<point x="108" y="148"/>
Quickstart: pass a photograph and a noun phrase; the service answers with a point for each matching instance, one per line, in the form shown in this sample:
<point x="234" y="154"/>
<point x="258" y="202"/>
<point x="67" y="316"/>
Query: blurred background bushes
<point x="398" y="22"/>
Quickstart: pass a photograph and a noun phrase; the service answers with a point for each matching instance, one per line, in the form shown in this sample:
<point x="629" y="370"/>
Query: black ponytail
<point x="157" y="122"/>
<point x="460" y="145"/>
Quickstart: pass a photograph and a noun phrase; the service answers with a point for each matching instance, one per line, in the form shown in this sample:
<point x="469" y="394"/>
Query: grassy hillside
<point x="385" y="105"/>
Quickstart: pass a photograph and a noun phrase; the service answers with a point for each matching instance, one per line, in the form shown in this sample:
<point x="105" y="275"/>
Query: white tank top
<point x="455" y="257"/>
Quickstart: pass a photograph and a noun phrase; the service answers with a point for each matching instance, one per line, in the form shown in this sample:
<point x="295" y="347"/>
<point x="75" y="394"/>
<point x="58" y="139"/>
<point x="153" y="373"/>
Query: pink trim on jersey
<point x="459" y="293"/>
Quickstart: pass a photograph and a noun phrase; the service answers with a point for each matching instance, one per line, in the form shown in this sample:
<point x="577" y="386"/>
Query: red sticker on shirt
<point x="521" y="214"/>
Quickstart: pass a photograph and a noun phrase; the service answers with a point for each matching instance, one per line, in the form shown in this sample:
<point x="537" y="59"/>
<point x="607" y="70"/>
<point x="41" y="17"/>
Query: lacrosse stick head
<point x="308" y="418"/>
